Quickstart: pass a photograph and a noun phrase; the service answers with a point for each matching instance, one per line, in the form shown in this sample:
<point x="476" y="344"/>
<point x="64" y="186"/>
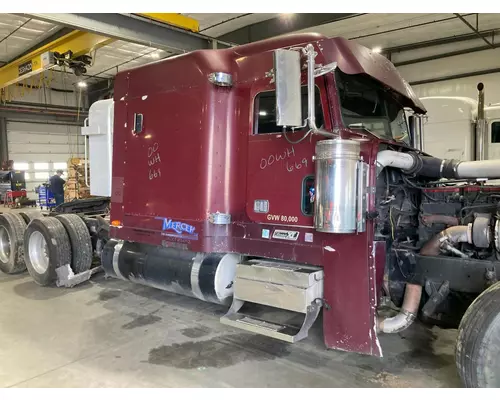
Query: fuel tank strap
<point x="116" y="256"/>
<point x="195" y="273"/>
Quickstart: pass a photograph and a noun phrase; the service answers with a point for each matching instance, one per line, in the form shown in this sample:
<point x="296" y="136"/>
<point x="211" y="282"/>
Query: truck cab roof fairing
<point x="353" y="58"/>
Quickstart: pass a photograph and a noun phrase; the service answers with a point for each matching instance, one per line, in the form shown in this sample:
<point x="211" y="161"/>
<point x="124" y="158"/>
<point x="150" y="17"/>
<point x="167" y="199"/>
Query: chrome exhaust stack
<point x="481" y="134"/>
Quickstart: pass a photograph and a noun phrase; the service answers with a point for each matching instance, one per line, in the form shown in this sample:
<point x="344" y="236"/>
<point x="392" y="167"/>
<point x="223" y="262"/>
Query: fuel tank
<point x="206" y="276"/>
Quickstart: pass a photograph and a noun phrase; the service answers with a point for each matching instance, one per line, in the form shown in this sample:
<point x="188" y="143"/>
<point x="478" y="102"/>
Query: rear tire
<point x="29" y="215"/>
<point x="46" y="248"/>
<point x="12" y="228"/>
<point x="478" y="342"/>
<point x="81" y="243"/>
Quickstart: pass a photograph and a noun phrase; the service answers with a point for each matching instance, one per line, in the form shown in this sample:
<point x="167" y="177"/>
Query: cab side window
<point x="265" y="112"/>
<point x="495" y="132"/>
<point x="308" y="195"/>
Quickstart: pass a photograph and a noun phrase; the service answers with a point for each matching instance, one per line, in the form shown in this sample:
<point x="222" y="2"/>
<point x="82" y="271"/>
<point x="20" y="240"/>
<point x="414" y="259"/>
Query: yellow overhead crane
<point x="44" y="58"/>
<point x="179" y="20"/>
<point x="73" y="49"/>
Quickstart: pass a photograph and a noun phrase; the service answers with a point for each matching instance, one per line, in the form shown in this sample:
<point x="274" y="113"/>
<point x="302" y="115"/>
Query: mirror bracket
<point x="324" y="69"/>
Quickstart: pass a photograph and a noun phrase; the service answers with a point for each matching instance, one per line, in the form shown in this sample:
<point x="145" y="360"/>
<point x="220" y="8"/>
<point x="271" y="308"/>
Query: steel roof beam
<point x="439" y="42"/>
<point x="280" y="26"/>
<point x="441" y="55"/>
<point x="27" y="111"/>
<point x="178" y="20"/>
<point x="457" y="76"/>
<point x="131" y="29"/>
<point x="402" y="28"/>
<point x="4" y="149"/>
<point x="476" y="31"/>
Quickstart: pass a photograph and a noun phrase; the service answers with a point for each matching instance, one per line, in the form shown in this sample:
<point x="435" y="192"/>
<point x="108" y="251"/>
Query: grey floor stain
<point x="141" y="320"/>
<point x="420" y="355"/>
<point x="108" y="294"/>
<point x="423" y="358"/>
<point x="31" y="290"/>
<point x="196" y="332"/>
<point x="221" y="352"/>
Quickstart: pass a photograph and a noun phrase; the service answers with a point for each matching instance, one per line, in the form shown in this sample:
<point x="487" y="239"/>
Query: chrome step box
<point x="287" y="286"/>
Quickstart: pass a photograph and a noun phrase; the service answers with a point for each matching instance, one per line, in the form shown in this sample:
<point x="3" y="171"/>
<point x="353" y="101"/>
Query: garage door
<point x="40" y="149"/>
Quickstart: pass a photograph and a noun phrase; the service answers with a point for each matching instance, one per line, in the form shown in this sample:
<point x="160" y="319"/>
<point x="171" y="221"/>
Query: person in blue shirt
<point x="57" y="187"/>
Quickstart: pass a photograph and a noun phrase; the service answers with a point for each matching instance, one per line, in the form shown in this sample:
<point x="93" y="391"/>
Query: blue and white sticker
<point x="266" y="233"/>
<point x="178" y="229"/>
<point x="309" y="237"/>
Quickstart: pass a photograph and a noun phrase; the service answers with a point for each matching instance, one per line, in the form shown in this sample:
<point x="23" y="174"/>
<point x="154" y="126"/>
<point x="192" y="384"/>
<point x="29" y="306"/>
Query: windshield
<point x="366" y="105"/>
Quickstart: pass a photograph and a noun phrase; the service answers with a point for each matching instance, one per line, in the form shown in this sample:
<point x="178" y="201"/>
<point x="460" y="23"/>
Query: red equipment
<point x="12" y="195"/>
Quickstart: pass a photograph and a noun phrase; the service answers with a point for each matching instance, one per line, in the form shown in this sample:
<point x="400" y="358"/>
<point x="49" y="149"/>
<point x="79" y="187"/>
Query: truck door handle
<point x="138" y="123"/>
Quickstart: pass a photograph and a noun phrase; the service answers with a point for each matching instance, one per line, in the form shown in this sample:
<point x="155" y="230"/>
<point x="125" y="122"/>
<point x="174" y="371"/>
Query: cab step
<point x="286" y="286"/>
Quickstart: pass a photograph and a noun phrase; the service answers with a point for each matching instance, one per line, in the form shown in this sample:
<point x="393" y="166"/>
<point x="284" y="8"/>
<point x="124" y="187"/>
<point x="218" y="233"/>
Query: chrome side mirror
<point x="287" y="70"/>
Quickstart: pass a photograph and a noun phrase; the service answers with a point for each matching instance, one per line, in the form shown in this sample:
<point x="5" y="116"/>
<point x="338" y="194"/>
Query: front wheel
<point x="478" y="343"/>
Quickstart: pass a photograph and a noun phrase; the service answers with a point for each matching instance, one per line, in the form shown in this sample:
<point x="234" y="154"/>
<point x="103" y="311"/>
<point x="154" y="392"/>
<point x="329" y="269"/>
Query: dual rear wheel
<point x="12" y="228"/>
<point x="52" y="242"/>
<point x="30" y="241"/>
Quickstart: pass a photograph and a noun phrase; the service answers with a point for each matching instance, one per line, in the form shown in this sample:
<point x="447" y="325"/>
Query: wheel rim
<point x="38" y="252"/>
<point x="4" y="245"/>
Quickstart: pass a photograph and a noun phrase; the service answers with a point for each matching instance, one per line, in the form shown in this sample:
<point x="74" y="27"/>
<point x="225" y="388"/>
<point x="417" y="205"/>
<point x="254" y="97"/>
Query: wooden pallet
<point x="75" y="184"/>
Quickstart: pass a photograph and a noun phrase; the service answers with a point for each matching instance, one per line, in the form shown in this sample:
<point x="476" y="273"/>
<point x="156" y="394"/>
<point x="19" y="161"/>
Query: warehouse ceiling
<point x="390" y="33"/>
<point x="394" y="30"/>
<point x="18" y="34"/>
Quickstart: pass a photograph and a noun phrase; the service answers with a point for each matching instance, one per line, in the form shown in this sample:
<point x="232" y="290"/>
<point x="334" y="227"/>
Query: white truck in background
<point x="461" y="128"/>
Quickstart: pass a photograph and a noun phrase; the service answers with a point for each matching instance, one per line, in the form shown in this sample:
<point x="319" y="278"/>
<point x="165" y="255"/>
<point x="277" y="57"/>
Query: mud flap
<point x="350" y="322"/>
<point x="67" y="278"/>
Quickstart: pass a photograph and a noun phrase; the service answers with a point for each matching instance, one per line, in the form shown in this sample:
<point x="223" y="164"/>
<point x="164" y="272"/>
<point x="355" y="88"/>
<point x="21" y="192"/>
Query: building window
<point x="265" y="111"/>
<point x="21" y="166"/>
<point x="60" y="165"/>
<point x="42" y="175"/>
<point x="495" y="132"/>
<point x="41" y="165"/>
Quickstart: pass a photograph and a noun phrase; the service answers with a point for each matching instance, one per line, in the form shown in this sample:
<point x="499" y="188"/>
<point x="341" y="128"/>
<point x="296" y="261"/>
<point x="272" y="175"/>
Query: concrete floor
<point x="110" y="333"/>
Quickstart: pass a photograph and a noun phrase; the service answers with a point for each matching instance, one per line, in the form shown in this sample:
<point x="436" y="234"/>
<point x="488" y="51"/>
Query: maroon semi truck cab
<point x="201" y="167"/>
<point x="285" y="180"/>
<point x="212" y="198"/>
<point x="203" y="175"/>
